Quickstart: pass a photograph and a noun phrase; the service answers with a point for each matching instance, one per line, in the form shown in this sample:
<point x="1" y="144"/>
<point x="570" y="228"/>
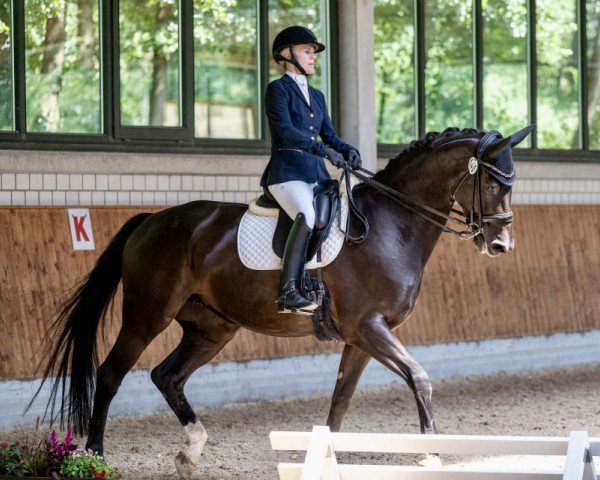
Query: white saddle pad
<point x="255" y="236"/>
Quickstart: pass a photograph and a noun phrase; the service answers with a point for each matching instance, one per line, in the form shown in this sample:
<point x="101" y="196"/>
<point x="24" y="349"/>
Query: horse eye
<point x="492" y="188"/>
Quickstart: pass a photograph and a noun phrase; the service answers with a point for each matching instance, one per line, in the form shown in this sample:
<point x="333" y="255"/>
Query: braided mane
<point x="417" y="146"/>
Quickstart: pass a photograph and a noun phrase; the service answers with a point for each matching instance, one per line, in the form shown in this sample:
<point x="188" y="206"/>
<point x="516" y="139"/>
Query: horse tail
<point x="76" y="328"/>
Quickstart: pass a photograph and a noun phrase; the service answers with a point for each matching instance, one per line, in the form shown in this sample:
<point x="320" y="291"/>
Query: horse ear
<point x="519" y="136"/>
<point x="496" y="148"/>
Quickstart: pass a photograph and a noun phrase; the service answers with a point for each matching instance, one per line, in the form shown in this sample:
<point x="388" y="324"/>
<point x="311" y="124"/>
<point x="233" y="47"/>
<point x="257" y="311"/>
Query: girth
<point x="326" y="203"/>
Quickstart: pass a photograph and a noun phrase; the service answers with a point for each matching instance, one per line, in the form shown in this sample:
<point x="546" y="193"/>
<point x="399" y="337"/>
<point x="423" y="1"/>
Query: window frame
<point x="154" y="133"/>
<point x="118" y="138"/>
<point x="582" y="154"/>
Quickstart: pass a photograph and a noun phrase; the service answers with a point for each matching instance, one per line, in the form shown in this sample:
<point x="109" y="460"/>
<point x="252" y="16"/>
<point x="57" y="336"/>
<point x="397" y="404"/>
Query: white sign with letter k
<point x="81" y="229"/>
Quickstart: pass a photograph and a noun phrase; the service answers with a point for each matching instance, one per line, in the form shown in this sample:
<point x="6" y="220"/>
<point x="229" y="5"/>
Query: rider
<point x="297" y="113"/>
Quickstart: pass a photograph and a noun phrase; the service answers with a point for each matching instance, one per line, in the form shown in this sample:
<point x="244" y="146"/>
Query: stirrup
<point x="283" y="307"/>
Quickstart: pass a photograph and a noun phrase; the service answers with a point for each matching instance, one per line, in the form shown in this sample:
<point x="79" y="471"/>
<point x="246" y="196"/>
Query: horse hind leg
<point x="144" y="317"/>
<point x="123" y="355"/>
<point x="203" y="337"/>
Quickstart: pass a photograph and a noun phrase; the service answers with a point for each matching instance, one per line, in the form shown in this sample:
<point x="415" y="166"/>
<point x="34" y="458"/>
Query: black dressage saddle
<point x="327" y="205"/>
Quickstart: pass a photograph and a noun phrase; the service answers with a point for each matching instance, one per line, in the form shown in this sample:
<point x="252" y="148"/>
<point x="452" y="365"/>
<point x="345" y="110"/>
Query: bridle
<point x="473" y="222"/>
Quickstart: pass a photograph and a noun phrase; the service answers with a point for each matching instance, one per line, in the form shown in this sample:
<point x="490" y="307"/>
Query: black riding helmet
<point x="291" y="36"/>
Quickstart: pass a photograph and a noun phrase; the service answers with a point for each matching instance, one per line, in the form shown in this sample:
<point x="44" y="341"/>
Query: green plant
<point x="36" y="454"/>
<point x="85" y="464"/>
<point x="10" y="459"/>
<point x="27" y="457"/>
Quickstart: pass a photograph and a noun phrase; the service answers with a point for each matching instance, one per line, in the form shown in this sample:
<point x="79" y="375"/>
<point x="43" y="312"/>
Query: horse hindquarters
<point x="156" y="284"/>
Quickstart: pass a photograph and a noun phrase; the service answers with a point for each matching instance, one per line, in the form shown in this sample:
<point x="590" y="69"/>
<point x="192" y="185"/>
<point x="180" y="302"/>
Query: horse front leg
<point x="374" y="337"/>
<point x="352" y="365"/>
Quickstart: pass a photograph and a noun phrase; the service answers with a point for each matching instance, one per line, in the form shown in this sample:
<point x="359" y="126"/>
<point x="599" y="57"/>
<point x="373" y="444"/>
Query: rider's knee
<point x="309" y="217"/>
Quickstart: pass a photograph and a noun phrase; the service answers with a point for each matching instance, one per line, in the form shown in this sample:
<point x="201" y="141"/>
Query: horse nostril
<point x="497" y="248"/>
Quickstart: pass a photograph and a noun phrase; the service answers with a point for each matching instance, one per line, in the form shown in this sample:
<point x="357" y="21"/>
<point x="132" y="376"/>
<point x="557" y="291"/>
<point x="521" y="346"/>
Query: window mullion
<point x="18" y="36"/>
<point x="478" y="64"/>
<point x="532" y="67"/>
<point x="264" y="56"/>
<point x="584" y="137"/>
<point x="420" y="60"/>
<point x="186" y="33"/>
<point x="106" y="54"/>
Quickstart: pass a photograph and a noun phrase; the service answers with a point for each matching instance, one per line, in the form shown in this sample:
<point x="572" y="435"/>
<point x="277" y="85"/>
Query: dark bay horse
<point x="164" y="259"/>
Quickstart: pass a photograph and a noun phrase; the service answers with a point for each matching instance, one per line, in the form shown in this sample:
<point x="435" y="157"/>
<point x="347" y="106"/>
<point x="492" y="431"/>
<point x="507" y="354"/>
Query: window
<point x="308" y="13"/>
<point x="505" y="87"/>
<point x="394" y="65"/>
<point x="6" y="84"/>
<point x="62" y="66"/>
<point x="226" y="69"/>
<point x="557" y="74"/>
<point x="592" y="109"/>
<point x="156" y="74"/>
<point x="149" y="63"/>
<point x="448" y="67"/>
<point x="489" y="64"/>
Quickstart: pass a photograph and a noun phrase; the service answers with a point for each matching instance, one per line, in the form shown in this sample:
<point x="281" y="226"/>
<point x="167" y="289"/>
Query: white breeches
<point x="296" y="197"/>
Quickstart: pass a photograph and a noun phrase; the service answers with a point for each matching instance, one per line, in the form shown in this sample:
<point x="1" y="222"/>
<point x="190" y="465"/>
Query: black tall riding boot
<point x="294" y="257"/>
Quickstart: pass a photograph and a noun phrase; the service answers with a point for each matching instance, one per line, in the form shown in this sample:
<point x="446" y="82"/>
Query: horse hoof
<point x="96" y="448"/>
<point x="184" y="466"/>
<point x="431" y="460"/>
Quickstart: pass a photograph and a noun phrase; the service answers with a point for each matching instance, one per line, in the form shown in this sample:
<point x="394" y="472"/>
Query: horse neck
<point x="430" y="178"/>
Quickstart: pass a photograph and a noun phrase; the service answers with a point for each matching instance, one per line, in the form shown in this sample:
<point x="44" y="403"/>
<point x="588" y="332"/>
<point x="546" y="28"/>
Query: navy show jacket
<point x="296" y="154"/>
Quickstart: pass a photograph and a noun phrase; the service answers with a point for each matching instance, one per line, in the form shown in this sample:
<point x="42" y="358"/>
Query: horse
<point x="181" y="264"/>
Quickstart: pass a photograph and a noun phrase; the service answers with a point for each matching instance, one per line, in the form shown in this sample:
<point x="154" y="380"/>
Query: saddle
<point x="327" y="205"/>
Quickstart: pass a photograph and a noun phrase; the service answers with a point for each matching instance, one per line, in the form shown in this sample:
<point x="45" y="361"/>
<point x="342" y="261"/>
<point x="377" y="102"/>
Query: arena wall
<point x="549" y="284"/>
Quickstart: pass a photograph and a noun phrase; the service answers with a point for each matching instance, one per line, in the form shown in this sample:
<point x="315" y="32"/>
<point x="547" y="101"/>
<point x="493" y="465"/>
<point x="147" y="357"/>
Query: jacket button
<point x="311" y="115"/>
<point x="312" y="138"/>
<point x="310" y="128"/>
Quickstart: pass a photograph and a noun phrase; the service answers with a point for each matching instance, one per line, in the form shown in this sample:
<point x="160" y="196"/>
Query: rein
<point x="474" y="223"/>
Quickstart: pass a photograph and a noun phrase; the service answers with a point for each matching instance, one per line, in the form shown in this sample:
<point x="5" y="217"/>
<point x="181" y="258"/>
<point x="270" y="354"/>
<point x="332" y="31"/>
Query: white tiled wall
<point x="123" y="189"/>
<point x="545" y="191"/>
<point x="60" y="179"/>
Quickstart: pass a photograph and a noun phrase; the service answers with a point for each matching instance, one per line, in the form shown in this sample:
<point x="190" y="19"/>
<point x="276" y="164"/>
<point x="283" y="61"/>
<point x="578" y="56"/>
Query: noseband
<point x="473" y="221"/>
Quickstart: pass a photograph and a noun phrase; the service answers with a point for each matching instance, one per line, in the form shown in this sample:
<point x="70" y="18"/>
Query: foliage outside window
<point x="449" y="64"/>
<point x="593" y="73"/>
<point x="62" y="66"/>
<point x="557" y="74"/>
<point x="505" y="86"/>
<point x="6" y="84"/>
<point x="149" y="63"/>
<point x="226" y="69"/>
<point x="394" y="66"/>
<point x="310" y="14"/>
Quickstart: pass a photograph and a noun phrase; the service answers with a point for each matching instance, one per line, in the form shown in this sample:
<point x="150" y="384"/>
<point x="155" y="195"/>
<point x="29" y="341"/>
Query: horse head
<point x="485" y="192"/>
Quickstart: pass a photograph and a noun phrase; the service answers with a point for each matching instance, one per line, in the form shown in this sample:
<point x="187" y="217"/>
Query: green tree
<point x="6" y="86"/>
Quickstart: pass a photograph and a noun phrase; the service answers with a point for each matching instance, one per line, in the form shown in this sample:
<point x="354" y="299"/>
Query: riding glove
<point x="336" y="158"/>
<point x="354" y="159"/>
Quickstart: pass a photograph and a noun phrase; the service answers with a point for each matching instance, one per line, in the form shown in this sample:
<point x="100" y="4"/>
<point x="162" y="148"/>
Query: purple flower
<point x="56" y="449"/>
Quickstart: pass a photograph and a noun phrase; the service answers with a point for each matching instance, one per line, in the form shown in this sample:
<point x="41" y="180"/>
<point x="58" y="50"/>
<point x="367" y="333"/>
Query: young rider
<point x="297" y="114"/>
